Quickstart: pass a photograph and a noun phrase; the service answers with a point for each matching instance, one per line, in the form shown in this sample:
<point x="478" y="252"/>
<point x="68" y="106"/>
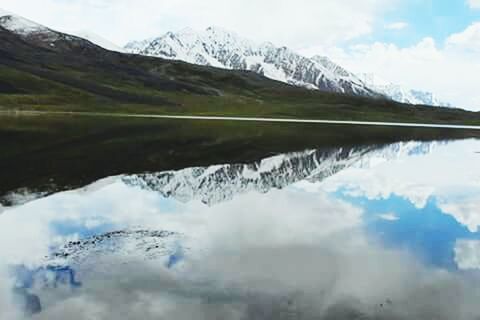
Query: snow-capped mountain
<point x="40" y="35"/>
<point x="411" y="96"/>
<point x="220" y="48"/>
<point x="216" y="184"/>
<point x="401" y="94"/>
<point x="22" y="26"/>
<point x="98" y="40"/>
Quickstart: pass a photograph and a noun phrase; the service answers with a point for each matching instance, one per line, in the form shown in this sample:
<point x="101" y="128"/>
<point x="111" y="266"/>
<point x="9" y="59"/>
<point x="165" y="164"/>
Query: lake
<point x="383" y="230"/>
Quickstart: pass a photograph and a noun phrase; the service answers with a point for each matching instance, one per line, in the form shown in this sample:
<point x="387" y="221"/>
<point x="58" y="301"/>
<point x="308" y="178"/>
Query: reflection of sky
<point x="429" y="202"/>
<point x="70" y="228"/>
<point x="427" y="232"/>
<point x="425" y="204"/>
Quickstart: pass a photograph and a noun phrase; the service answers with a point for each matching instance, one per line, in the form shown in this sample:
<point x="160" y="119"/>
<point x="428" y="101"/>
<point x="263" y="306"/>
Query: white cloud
<point x="396" y="26"/>
<point x="450" y="70"/>
<point x="466" y="41"/>
<point x="474" y="4"/>
<point x="295" y="24"/>
<point x="467" y="254"/>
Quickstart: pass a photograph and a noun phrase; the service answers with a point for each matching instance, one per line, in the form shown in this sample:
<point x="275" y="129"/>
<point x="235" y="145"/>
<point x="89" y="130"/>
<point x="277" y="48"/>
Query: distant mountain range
<point x="401" y="94"/>
<point x="220" y="48"/>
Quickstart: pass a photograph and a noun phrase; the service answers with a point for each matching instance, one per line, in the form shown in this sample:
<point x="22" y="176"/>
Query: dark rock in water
<point x="29" y="303"/>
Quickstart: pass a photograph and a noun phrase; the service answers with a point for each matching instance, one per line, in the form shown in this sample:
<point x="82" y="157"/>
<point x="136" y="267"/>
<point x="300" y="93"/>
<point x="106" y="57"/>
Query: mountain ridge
<point x="221" y="48"/>
<point x="218" y="47"/>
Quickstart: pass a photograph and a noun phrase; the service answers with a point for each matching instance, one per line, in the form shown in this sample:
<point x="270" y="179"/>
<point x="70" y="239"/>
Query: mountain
<point x="401" y="94"/>
<point x="40" y="35"/>
<point x="220" y="48"/>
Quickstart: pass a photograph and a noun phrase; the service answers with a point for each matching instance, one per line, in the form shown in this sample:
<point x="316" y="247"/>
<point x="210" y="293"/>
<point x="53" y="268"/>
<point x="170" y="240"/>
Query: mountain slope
<point x="219" y="48"/>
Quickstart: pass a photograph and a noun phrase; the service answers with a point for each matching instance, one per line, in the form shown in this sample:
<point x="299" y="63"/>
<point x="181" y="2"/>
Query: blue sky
<point x="425" y="18"/>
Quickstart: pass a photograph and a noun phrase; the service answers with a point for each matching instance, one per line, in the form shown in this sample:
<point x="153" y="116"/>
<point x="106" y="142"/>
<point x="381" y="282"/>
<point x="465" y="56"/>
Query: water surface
<point x="366" y="232"/>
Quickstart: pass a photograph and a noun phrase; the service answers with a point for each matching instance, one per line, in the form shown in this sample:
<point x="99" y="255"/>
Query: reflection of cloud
<point x="388" y="216"/>
<point x="465" y="210"/>
<point x="7" y="308"/>
<point x="467" y="254"/>
<point x="274" y="282"/>
<point x="397" y="25"/>
<point x="449" y="169"/>
<point x="270" y="256"/>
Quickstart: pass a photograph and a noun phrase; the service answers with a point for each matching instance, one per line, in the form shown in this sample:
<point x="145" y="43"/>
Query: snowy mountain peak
<point x="221" y="48"/>
<point x="334" y="68"/>
<point x="45" y="37"/>
<point x="401" y="94"/>
<point x="20" y="25"/>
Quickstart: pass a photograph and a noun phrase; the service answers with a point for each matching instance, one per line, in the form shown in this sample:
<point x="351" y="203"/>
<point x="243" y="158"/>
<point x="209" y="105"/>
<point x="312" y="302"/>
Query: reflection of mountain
<point x="127" y="245"/>
<point x="69" y="263"/>
<point x="220" y="183"/>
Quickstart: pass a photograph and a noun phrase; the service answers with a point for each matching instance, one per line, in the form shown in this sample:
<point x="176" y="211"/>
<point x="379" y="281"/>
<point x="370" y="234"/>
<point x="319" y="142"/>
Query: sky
<point x="431" y="45"/>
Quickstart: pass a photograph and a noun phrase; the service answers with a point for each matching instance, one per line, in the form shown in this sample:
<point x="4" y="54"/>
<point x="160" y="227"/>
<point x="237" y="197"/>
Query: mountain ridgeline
<point x="220" y="48"/>
<point x="42" y="69"/>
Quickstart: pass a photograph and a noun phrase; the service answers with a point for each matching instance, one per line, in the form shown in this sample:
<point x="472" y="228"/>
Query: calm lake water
<point x="371" y="232"/>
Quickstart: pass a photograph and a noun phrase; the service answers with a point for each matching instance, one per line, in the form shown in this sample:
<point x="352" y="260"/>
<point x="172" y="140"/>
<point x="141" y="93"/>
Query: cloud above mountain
<point x="449" y="68"/>
<point x="282" y="22"/>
